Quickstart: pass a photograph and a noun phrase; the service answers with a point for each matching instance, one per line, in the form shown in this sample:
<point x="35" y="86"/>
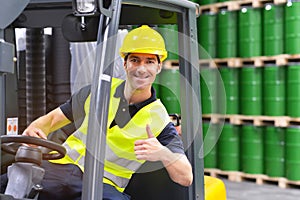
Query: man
<point x="139" y="128"/>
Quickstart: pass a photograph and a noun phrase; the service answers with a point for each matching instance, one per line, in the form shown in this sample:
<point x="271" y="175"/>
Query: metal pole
<point x="190" y="101"/>
<point x="100" y="96"/>
<point x="2" y="99"/>
<point x="2" y="94"/>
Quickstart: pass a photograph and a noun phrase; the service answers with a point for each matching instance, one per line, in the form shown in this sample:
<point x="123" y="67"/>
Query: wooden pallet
<point x="290" y="121"/>
<point x="230" y="175"/>
<point x="261" y="61"/>
<point x="253" y="61"/>
<point x="290" y="58"/>
<point x="258" y="61"/>
<point x="219" y="62"/>
<point x="216" y="7"/>
<point x="219" y="118"/>
<point x="208" y="63"/>
<point x="260" y="179"/>
<point x="171" y="64"/>
<point x="277" y="121"/>
<point x="256" y="120"/>
<point x="279" y="60"/>
<point x="257" y="3"/>
<point x="213" y="118"/>
<point x="236" y="5"/>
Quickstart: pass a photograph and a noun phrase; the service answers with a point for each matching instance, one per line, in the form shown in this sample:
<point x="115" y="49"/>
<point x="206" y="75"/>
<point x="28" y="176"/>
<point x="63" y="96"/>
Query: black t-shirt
<point x="168" y="137"/>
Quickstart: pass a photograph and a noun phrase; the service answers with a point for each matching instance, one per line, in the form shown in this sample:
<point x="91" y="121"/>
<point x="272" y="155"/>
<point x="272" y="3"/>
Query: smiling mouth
<point x="141" y="77"/>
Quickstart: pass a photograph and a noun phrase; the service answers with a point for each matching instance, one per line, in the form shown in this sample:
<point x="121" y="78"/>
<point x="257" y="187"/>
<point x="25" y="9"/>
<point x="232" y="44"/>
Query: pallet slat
<point x="260" y="179"/>
<point x="259" y="61"/>
<point x="277" y="121"/>
<point x="236" y="5"/>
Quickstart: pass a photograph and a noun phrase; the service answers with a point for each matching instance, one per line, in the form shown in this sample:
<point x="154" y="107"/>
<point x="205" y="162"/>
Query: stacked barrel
<point x="270" y="90"/>
<point x="250" y="90"/>
<point x="167" y="83"/>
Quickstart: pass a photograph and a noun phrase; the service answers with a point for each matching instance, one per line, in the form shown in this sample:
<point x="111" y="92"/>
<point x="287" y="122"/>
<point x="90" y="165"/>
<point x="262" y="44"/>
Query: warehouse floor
<point x="253" y="191"/>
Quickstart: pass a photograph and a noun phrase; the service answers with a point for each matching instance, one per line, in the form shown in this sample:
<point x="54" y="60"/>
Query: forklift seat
<point x="157" y="185"/>
<point x="149" y="185"/>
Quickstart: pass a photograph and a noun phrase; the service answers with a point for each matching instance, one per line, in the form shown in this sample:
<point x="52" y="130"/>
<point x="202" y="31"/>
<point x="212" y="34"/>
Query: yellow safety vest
<point x="120" y="160"/>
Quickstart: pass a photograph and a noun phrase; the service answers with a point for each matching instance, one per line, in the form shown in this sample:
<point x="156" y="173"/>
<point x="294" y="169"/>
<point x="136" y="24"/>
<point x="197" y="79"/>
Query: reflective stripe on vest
<point x="120" y="160"/>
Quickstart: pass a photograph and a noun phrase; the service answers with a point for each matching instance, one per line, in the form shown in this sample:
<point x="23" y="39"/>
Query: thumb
<point x="149" y="132"/>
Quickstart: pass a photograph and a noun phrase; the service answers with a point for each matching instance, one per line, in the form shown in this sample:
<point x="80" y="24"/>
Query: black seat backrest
<point x="154" y="185"/>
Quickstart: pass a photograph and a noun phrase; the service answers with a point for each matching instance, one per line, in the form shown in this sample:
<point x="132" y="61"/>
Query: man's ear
<point x="159" y="68"/>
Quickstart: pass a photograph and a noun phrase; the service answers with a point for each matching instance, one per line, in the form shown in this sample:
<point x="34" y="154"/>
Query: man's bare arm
<point x="46" y="124"/>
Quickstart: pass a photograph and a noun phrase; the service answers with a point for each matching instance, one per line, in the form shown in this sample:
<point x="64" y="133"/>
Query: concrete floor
<point x="252" y="191"/>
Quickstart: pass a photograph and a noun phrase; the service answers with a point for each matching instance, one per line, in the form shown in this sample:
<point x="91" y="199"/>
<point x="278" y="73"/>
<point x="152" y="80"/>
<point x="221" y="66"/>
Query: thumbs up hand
<point x="148" y="149"/>
<point x="149" y="132"/>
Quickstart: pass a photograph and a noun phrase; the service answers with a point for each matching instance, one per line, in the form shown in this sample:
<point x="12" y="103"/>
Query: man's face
<point x="141" y="69"/>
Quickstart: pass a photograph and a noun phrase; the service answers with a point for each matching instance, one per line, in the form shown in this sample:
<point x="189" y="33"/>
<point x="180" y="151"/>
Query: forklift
<point x="99" y="21"/>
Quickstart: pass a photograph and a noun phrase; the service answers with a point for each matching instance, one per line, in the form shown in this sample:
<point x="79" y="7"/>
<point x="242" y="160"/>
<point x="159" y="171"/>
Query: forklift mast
<point x="102" y="26"/>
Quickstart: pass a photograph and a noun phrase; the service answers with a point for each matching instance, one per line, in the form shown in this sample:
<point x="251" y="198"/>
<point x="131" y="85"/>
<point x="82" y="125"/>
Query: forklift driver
<point x="139" y="127"/>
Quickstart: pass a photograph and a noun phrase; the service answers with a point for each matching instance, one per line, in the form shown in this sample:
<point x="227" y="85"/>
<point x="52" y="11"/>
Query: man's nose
<point x="141" y="68"/>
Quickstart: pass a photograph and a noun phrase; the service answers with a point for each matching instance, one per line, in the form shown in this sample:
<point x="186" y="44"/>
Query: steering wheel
<point x="19" y="139"/>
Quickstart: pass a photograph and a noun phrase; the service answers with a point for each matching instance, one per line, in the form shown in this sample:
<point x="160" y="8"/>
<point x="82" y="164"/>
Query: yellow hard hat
<point x="144" y="40"/>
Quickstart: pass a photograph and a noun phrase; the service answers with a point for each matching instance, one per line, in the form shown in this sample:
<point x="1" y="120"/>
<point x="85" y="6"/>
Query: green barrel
<point x="292" y="28"/>
<point x="250" y="79"/>
<point x="208" y="90"/>
<point x="210" y="137"/>
<point x="292" y="155"/>
<point x="170" y="34"/>
<point x="230" y="78"/>
<point x="156" y="86"/>
<point x="250" y="32"/>
<point x="252" y="150"/>
<point x="205" y="2"/>
<point x="226" y="34"/>
<point x="274" y="151"/>
<point x="206" y="26"/>
<point x="293" y="90"/>
<point x="273" y="26"/>
<point x="170" y="89"/>
<point x="228" y="149"/>
<point x="274" y="91"/>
